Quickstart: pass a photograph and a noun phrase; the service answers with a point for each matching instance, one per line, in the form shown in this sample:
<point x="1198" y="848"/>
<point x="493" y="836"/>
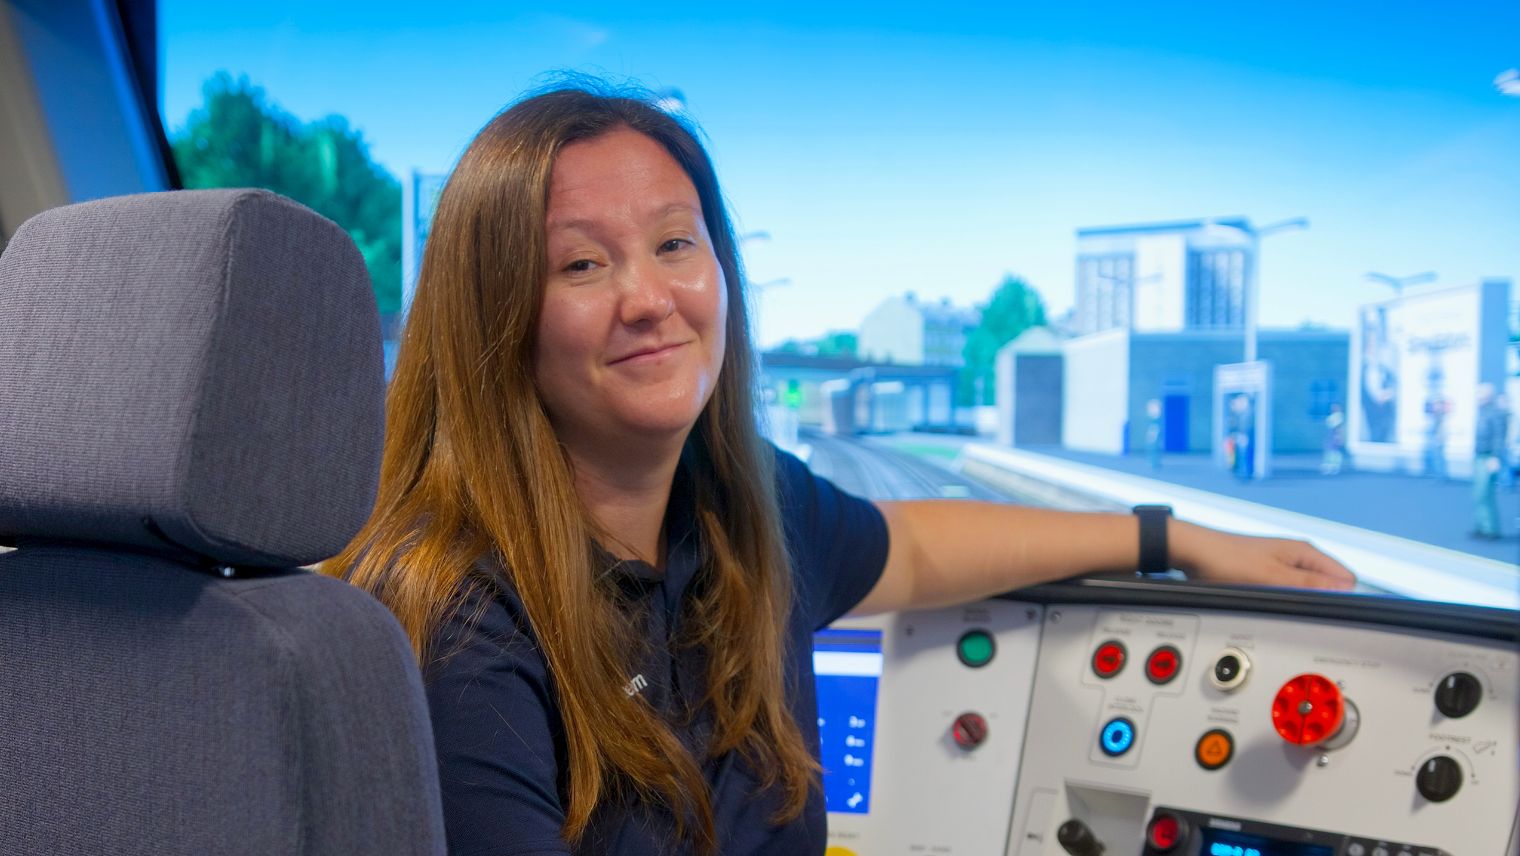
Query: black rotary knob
<point x="1076" y="838"/>
<point x="1439" y="779"/>
<point x="1458" y="694"/>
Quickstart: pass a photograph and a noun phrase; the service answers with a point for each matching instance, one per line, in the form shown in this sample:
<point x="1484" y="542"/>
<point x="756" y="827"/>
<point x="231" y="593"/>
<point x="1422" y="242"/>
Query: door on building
<point x="1174" y="420"/>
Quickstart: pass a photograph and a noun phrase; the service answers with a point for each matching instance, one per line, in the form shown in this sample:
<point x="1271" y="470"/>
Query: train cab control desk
<point x="1136" y="717"/>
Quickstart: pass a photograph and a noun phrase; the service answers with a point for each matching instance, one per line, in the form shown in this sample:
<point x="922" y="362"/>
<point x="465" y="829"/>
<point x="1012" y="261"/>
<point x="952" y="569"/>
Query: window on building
<point x="1322" y="394"/>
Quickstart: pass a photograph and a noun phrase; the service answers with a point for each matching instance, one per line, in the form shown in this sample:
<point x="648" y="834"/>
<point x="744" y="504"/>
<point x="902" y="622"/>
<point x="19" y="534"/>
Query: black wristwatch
<point x="1154" y="555"/>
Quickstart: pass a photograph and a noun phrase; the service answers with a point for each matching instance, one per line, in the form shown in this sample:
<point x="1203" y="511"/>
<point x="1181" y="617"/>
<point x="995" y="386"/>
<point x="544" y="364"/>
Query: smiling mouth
<point x="653" y="354"/>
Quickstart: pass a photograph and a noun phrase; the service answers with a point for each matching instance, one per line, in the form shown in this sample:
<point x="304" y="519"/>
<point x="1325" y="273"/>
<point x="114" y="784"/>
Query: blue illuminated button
<point x="1117" y="736"/>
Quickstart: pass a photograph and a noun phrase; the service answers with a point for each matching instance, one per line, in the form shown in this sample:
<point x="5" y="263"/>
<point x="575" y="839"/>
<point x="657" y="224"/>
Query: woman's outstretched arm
<point x="945" y="552"/>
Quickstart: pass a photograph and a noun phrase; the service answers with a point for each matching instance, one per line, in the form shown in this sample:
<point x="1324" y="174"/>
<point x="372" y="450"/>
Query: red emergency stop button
<point x="1165" y="832"/>
<point x="1308" y="710"/>
<point x="1109" y="659"/>
<point x="1163" y="664"/>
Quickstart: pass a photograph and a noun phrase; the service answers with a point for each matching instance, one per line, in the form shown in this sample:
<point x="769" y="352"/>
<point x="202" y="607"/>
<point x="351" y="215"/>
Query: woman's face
<point x="631" y="334"/>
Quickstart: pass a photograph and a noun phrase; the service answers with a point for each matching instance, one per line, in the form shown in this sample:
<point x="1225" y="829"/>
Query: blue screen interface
<point x="1220" y="842"/>
<point x="847" y="664"/>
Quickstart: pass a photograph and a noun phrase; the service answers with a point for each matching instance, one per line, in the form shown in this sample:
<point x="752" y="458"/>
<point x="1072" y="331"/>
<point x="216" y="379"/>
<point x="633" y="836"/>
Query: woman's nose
<point x="647" y="295"/>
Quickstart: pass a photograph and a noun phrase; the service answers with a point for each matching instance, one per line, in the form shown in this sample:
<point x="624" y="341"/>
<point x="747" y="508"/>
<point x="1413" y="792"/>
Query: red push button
<point x="1163" y="664"/>
<point x="969" y="730"/>
<point x="1308" y="710"/>
<point x="1165" y="832"/>
<point x="1109" y="659"/>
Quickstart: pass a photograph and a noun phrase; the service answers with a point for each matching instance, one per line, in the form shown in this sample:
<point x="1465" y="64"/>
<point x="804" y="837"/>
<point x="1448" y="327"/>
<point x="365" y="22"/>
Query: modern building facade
<point x="1111" y="376"/>
<point x="907" y="331"/>
<point x="1164" y="277"/>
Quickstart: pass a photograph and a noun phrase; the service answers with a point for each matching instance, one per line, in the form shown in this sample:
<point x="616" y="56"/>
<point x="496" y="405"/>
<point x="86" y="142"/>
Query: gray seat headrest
<point x="192" y="370"/>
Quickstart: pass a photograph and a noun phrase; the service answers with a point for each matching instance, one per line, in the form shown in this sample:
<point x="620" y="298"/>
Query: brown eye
<point x="674" y="244"/>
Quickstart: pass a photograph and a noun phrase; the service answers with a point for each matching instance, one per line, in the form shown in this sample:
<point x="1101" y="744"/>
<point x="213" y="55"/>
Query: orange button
<point x="838" y="851"/>
<point x="1214" y="749"/>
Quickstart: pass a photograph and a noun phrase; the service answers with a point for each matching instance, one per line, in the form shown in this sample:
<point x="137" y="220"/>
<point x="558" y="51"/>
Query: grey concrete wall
<point x="1037" y="394"/>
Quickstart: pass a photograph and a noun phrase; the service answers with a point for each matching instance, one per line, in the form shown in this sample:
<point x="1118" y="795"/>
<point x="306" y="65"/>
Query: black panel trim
<point x="1384" y="610"/>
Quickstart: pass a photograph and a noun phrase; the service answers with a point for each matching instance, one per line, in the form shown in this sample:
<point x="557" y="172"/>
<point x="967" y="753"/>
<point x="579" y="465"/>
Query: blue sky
<point x="887" y="149"/>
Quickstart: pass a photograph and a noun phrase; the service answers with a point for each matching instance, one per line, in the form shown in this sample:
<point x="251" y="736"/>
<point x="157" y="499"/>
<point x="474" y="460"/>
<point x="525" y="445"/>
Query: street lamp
<point x="1399" y="283"/>
<point x="1133" y="282"/>
<point x="1252" y="283"/>
<point x="755" y="291"/>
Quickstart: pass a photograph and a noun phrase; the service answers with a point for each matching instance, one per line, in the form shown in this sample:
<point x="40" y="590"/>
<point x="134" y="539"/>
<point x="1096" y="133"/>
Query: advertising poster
<point x="1243" y="419"/>
<point x="1415" y="372"/>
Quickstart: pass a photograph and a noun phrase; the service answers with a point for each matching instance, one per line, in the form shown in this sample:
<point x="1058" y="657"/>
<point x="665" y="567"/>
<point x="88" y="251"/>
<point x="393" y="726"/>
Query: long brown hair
<point x="473" y="469"/>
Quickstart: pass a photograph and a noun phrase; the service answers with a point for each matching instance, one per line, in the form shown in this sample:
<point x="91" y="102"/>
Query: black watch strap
<point x="1155" y="557"/>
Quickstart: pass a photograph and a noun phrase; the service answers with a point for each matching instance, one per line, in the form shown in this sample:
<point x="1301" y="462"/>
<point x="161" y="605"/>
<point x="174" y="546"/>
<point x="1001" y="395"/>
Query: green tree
<point x="1015" y="307"/>
<point x="838" y="343"/>
<point x="238" y="139"/>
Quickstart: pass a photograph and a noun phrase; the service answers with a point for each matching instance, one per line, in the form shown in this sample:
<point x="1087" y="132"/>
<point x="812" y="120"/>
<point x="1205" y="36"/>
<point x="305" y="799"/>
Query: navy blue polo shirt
<point x="501" y="745"/>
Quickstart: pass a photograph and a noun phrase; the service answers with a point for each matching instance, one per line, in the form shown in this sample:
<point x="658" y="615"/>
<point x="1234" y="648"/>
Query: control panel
<point x="1171" y="724"/>
<point x="931" y="768"/>
<point x="1204" y="733"/>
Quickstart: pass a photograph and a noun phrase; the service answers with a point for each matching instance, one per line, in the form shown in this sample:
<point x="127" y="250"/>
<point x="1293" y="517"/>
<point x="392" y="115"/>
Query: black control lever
<point x="1077" y="839"/>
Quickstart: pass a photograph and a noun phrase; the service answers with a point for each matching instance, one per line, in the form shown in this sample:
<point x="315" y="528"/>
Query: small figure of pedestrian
<point x="1243" y="432"/>
<point x="1335" y="441"/>
<point x="1436" y="411"/>
<point x="1153" y="432"/>
<point x="1509" y="460"/>
<point x="1488" y="458"/>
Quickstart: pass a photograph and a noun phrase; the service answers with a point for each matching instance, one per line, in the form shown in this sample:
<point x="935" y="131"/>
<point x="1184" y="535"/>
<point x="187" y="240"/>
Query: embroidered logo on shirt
<point x="635" y="686"/>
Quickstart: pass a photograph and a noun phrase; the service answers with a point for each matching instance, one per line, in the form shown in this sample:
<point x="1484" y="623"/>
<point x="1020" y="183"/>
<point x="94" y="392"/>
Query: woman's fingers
<point x="1317" y="569"/>
<point x="1231" y="558"/>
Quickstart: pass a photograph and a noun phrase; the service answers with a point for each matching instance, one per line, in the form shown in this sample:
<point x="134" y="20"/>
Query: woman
<point x="609" y="577"/>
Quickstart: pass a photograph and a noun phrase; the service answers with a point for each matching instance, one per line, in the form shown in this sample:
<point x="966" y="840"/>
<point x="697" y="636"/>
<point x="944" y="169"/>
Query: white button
<point x="1356" y="849"/>
<point x="1379" y="851"/>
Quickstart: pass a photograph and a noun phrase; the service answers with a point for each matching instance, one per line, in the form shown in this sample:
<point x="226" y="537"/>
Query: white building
<point x="908" y="331"/>
<point x="1164" y="277"/>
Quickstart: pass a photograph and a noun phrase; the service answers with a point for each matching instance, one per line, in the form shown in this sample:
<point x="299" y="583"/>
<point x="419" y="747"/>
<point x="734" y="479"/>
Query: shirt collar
<point x="682" y="546"/>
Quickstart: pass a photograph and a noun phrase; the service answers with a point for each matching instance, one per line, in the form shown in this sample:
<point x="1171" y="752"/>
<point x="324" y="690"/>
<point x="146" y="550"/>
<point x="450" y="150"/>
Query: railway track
<point x="875" y="472"/>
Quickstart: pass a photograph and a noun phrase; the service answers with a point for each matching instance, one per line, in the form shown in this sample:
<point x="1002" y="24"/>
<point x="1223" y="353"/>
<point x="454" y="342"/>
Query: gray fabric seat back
<point x="192" y="410"/>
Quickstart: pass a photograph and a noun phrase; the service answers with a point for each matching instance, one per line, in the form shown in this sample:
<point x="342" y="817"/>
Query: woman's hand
<point x="1223" y="557"/>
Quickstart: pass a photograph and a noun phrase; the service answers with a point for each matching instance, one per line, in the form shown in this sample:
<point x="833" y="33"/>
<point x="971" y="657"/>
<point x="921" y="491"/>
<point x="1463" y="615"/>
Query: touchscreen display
<point x="847" y="664"/>
<point x="1221" y="842"/>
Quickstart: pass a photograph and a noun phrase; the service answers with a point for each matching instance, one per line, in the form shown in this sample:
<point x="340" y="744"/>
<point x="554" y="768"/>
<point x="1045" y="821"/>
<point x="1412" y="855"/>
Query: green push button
<point x="976" y="648"/>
